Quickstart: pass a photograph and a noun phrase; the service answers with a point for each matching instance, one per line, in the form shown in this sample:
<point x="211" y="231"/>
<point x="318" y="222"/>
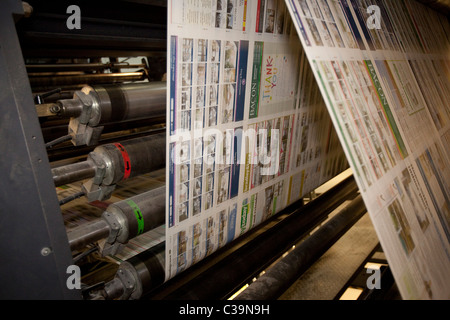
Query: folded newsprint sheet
<point x="383" y="68"/>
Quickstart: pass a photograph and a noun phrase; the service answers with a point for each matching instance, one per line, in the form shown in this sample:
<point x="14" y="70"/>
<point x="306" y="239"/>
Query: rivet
<point x="46" y="251"/>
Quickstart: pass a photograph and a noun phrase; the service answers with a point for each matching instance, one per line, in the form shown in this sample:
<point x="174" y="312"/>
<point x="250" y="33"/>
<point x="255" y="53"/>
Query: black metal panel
<point x="30" y="217"/>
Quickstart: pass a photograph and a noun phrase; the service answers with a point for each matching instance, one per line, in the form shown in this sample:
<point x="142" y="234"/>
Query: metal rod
<point x="73" y="172"/>
<point x="95" y="78"/>
<point x="80" y="66"/>
<point x="279" y="277"/>
<point x="71" y="197"/>
<point x="82" y="236"/>
<point x="84" y="254"/>
<point x="68" y="108"/>
<point x="59" y="140"/>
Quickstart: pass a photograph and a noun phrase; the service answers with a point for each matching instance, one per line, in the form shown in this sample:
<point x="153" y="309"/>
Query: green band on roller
<point x="138" y="214"/>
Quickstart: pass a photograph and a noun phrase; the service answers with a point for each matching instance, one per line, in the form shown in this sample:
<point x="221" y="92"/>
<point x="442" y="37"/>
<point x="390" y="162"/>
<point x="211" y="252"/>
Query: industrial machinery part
<point x="285" y="272"/>
<point x="117" y="132"/>
<point x="35" y="244"/>
<point x="44" y="81"/>
<point x="233" y="265"/>
<point x="60" y="67"/>
<point x="137" y="275"/>
<point x="122" y="221"/>
<point x="39" y="98"/>
<point x="92" y="107"/>
<point x="108" y="164"/>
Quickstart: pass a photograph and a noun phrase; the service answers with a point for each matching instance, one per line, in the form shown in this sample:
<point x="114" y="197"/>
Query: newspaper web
<point x="386" y="88"/>
<point x="257" y="118"/>
<point x="248" y="127"/>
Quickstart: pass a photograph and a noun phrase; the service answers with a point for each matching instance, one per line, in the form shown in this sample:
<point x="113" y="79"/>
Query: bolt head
<point x="45" y="251"/>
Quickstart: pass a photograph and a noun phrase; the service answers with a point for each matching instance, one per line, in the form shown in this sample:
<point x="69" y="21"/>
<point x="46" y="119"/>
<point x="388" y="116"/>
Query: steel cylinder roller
<point x="122" y="221"/>
<point x="111" y="163"/>
<point x="93" y="106"/>
<point x="137" y="275"/>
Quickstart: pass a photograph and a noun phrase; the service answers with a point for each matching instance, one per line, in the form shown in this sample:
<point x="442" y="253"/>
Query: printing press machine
<point x="72" y="101"/>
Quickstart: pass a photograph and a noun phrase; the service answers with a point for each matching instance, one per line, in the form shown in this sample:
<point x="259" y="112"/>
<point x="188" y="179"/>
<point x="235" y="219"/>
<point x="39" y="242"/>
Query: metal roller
<point x="114" y="162"/>
<point x="43" y="80"/>
<point x="277" y="279"/>
<point x="61" y="67"/>
<point x="137" y="275"/>
<point x="122" y="221"/>
<point x="141" y="275"/>
<point x="131" y="101"/>
<point x="132" y="157"/>
<point x="92" y="107"/>
<point x="73" y="172"/>
<point x="117" y="102"/>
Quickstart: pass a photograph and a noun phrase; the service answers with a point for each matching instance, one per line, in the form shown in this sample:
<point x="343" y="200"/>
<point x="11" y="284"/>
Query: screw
<point x="55" y="108"/>
<point x="46" y="251"/>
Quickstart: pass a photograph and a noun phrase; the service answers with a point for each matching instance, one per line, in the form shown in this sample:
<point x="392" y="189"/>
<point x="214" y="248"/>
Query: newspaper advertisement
<point x="248" y="130"/>
<point x="383" y="70"/>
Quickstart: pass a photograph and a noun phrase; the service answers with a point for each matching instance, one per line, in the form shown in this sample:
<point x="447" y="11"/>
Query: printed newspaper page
<point x="383" y="69"/>
<point x="248" y="130"/>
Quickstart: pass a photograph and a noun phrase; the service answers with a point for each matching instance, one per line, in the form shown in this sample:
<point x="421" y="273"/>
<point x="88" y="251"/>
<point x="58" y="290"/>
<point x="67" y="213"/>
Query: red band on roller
<point x="126" y="160"/>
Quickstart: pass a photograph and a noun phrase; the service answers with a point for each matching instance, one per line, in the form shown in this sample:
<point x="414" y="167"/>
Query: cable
<point x="58" y="140"/>
<point x="72" y="197"/>
<point x="39" y="99"/>
<point x="84" y="254"/>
